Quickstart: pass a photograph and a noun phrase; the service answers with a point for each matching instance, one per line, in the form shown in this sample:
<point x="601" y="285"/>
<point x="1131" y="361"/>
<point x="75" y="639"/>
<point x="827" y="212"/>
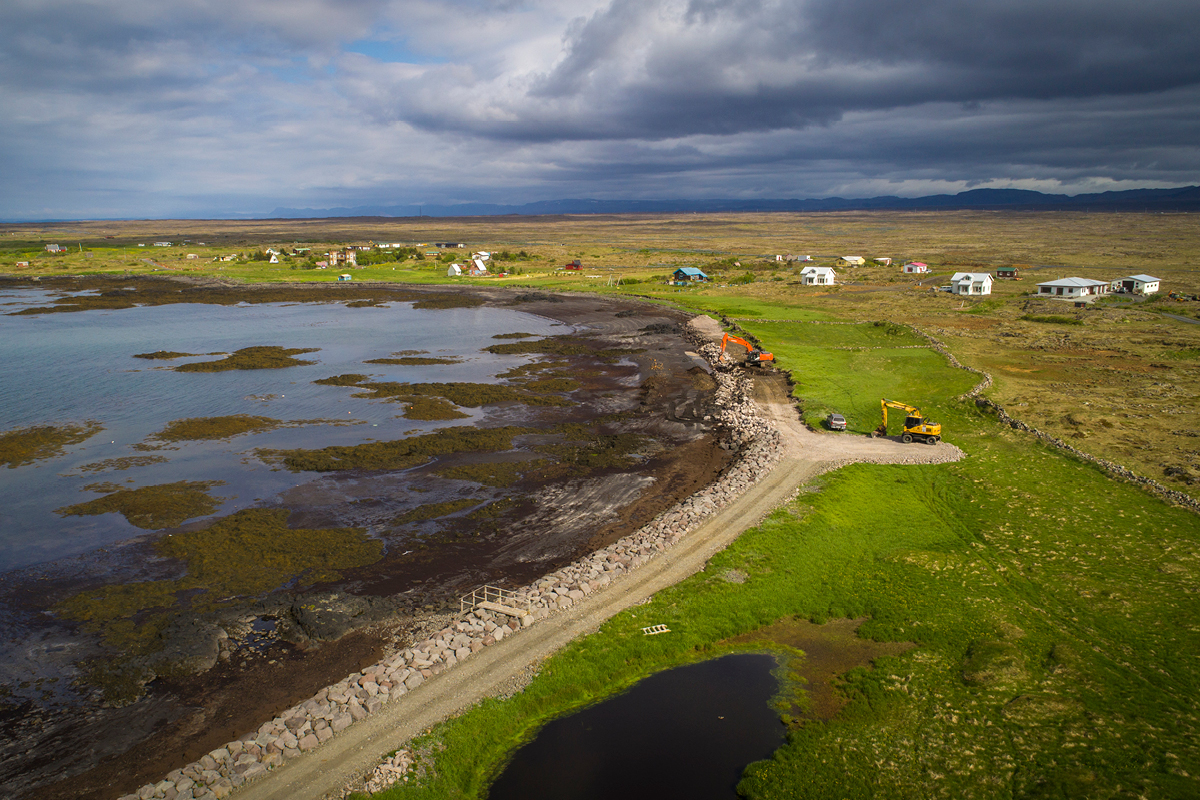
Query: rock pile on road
<point x="333" y="709"/>
<point x="390" y="771"/>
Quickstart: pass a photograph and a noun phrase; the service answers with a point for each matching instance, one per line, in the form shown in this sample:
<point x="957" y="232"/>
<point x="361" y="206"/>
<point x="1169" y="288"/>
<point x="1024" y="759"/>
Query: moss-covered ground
<point x="26" y="445"/>
<point x="1052" y="611"/>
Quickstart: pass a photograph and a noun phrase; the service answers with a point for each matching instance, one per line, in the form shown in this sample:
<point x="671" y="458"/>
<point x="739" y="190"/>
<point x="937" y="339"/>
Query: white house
<point x="853" y="261"/>
<point x="887" y="262"/>
<point x="274" y="259"/>
<point x="454" y="271"/>
<point x="1137" y="284"/>
<point x="916" y="267"/>
<point x="818" y="276"/>
<point x="1072" y="288"/>
<point x="971" y="283"/>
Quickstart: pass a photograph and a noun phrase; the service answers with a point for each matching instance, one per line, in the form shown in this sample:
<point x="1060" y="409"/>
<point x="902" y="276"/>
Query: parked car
<point x="835" y="422"/>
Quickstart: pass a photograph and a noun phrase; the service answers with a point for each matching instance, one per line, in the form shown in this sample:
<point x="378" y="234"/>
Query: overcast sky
<point x="146" y="108"/>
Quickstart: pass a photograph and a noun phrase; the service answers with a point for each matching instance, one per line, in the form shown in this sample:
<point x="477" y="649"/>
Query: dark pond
<point x="684" y="733"/>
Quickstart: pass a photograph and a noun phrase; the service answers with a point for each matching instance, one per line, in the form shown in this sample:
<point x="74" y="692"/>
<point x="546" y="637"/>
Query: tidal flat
<point x="314" y="508"/>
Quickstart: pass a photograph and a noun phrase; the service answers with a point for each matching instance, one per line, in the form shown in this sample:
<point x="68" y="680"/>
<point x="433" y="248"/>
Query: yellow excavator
<point x="753" y="354"/>
<point x="916" y="427"/>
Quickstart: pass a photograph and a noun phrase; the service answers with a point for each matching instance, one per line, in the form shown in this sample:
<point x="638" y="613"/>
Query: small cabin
<point x="686" y="275"/>
<point x="915" y="268"/>
<point x="851" y="261"/>
<point x="886" y="262"/>
<point x="1006" y="272"/>
<point x="454" y="271"/>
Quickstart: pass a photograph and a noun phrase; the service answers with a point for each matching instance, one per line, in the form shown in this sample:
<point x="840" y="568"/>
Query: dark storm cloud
<point x="208" y="106"/>
<point x="663" y="69"/>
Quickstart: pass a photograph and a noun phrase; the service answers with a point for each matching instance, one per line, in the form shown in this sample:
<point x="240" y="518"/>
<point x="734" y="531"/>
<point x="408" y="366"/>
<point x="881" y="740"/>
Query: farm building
<point x="887" y="262"/>
<point x="454" y="271"/>
<point x="915" y="267"/>
<point x="971" y="283"/>
<point x="1072" y="288"/>
<point x="1006" y="272"/>
<point x="851" y="261"/>
<point x="685" y="275"/>
<point x="55" y="248"/>
<point x="818" y="276"/>
<point x="1136" y="284"/>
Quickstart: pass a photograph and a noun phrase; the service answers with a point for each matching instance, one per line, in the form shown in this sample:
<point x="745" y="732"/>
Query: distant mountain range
<point x="1186" y="198"/>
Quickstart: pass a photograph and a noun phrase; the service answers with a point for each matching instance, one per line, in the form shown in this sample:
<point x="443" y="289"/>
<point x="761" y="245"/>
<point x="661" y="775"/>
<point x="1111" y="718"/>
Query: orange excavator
<point x="754" y="355"/>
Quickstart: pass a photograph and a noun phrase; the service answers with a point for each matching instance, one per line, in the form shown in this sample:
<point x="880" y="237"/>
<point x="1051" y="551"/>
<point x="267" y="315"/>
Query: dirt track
<point x="326" y="770"/>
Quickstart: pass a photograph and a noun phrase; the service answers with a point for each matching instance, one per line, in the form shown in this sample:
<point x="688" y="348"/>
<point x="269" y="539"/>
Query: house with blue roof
<point x="686" y="275"/>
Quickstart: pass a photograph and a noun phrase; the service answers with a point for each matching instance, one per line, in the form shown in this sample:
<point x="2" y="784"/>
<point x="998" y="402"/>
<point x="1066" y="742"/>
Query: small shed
<point x="1006" y="272"/>
<point x="1072" y="288"/>
<point x="852" y="261"/>
<point x="887" y="262"/>
<point x="345" y="277"/>
<point x="971" y="283"/>
<point x="685" y="275"/>
<point x="916" y="268"/>
<point x="818" y="276"/>
<point x="454" y="271"/>
<point x="1136" y="284"/>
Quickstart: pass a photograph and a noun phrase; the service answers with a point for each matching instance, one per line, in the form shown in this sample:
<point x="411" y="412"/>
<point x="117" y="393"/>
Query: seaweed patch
<point x="501" y="474"/>
<point x="243" y="555"/>
<point x="213" y="428"/>
<point x="167" y="355"/>
<point x="413" y="361"/>
<point x="26" y="445"/>
<point x="399" y="453"/>
<point x="115" y="464"/>
<point x="517" y="335"/>
<point x="432" y="408"/>
<point x="163" y="505"/>
<point x="264" y="357"/>
<point x="430" y="511"/>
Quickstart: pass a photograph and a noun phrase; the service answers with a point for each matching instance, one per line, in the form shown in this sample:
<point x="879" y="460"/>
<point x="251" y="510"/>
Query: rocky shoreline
<point x="306" y="725"/>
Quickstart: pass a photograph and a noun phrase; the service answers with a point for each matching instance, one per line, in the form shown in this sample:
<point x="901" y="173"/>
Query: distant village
<point x="481" y="264"/>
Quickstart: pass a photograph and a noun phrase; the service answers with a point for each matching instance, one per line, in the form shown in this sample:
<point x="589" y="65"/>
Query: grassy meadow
<point x="1054" y="611"/>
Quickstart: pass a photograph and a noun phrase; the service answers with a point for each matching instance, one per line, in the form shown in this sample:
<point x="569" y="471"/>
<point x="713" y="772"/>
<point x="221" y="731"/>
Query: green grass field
<point x="1054" y="612"/>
